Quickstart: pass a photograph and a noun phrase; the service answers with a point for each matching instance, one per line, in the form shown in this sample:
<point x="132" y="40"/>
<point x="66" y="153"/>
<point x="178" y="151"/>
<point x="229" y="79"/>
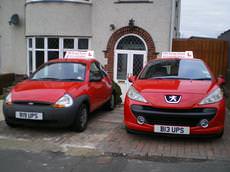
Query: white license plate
<point x="29" y="115"/>
<point x="171" y="129"/>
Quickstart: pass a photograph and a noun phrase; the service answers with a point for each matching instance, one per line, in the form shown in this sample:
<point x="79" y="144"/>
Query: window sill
<point x="133" y="2"/>
<point x="59" y="1"/>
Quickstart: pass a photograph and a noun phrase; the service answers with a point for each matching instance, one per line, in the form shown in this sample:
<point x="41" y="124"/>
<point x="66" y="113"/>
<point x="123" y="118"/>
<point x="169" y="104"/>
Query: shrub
<point x="118" y="93"/>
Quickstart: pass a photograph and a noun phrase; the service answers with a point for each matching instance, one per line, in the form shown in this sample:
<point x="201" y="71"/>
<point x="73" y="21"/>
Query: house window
<point x="83" y="44"/>
<point x="43" y="49"/>
<point x="131" y="43"/>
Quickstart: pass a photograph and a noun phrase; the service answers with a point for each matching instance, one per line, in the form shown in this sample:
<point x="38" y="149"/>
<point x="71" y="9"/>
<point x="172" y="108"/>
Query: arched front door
<point x="130" y="58"/>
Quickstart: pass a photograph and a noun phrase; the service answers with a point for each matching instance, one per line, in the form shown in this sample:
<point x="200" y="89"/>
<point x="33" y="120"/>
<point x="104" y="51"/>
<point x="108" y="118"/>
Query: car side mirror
<point x="132" y="78"/>
<point x="220" y="80"/>
<point x="96" y="78"/>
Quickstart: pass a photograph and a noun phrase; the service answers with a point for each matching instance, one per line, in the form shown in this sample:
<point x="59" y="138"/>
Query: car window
<point x="180" y="69"/>
<point x="94" y="71"/>
<point x="102" y="70"/>
<point x="61" y="71"/>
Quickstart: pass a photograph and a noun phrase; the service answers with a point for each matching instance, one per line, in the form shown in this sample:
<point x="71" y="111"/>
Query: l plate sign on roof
<point x="186" y="54"/>
<point x="79" y="54"/>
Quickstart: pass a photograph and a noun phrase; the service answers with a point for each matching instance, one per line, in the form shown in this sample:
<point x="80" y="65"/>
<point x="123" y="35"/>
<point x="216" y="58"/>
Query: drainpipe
<point x="172" y="24"/>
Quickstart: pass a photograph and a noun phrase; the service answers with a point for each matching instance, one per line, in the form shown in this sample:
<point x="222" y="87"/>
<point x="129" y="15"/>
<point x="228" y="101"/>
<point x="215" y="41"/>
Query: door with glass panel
<point x="130" y="57"/>
<point x="127" y="63"/>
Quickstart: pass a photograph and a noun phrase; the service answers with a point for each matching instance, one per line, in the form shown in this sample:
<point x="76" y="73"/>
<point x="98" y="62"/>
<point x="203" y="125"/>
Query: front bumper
<point x="52" y="117"/>
<point x="177" y="117"/>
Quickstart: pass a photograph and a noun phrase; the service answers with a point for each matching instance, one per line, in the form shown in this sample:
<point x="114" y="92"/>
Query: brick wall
<point x="109" y="53"/>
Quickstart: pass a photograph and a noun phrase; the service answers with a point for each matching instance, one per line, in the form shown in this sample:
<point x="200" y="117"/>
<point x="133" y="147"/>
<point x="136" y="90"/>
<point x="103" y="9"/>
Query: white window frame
<point x="61" y="49"/>
<point x="134" y="1"/>
<point x="77" y="1"/>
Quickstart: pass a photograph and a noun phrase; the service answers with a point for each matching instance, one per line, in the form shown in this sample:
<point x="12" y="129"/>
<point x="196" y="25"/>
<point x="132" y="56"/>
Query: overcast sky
<point x="206" y="18"/>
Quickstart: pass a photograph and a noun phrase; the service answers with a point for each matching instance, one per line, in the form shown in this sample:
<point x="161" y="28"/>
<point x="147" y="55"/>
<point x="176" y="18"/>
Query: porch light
<point x="112" y="27"/>
<point x="14" y="19"/>
<point x="131" y="22"/>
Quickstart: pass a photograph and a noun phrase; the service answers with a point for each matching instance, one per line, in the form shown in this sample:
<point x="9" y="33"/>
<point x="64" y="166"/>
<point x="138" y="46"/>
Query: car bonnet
<point x="190" y="91"/>
<point x="41" y="91"/>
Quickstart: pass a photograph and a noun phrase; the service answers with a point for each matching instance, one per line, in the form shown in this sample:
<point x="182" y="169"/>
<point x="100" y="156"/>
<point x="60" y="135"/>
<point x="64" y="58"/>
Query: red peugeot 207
<point x="60" y="93"/>
<point x="175" y="96"/>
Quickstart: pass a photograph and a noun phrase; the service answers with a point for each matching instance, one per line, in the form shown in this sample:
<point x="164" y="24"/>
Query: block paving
<point x="106" y="135"/>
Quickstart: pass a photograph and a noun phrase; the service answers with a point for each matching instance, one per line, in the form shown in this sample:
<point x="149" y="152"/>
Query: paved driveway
<point x="106" y="135"/>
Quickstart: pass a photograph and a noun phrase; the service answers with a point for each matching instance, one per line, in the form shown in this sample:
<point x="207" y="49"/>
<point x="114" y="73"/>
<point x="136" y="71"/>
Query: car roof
<point x="75" y="60"/>
<point x="175" y="58"/>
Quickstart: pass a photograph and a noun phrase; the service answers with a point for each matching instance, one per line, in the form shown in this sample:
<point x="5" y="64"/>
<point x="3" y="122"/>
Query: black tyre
<point x="129" y="131"/>
<point x="219" y="135"/>
<point x="80" y="123"/>
<point x="10" y="124"/>
<point x="111" y="103"/>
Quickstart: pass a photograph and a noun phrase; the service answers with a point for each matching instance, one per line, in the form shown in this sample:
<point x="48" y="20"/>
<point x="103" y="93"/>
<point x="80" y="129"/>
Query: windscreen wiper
<point x="181" y="78"/>
<point x="71" y="79"/>
<point x="46" y="78"/>
<point x="178" y="78"/>
<point x="157" y="78"/>
<point x="200" y="79"/>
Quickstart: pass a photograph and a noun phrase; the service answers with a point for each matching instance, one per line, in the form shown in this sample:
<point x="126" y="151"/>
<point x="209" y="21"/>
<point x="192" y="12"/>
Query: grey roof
<point x="224" y="33"/>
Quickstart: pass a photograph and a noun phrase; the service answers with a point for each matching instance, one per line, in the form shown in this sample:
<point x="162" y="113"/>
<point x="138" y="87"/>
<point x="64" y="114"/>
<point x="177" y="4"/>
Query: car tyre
<point x="10" y="124"/>
<point x="219" y="135"/>
<point x="111" y="103"/>
<point x="129" y="131"/>
<point x="80" y="123"/>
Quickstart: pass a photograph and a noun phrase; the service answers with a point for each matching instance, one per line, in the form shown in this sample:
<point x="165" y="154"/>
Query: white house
<point x="124" y="34"/>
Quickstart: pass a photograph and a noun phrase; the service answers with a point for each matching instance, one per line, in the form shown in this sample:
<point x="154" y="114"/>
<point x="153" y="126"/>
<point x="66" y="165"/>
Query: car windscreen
<point x="61" y="71"/>
<point x="176" y="69"/>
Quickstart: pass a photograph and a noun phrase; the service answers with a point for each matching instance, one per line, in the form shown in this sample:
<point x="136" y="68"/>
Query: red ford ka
<point x="175" y="96"/>
<point x="60" y="93"/>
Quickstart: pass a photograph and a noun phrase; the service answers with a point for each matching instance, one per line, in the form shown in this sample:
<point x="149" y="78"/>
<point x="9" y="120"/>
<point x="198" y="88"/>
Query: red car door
<point x="99" y="87"/>
<point x="107" y="82"/>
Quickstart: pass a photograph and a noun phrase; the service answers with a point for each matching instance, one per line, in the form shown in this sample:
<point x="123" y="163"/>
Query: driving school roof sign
<point x="186" y="54"/>
<point x="79" y="54"/>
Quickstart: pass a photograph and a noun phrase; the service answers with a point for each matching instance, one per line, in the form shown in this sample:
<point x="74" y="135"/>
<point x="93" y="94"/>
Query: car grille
<point x="175" y="117"/>
<point x="32" y="103"/>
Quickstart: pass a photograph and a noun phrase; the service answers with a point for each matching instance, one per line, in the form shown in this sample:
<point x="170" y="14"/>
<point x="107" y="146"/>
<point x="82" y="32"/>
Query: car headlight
<point x="134" y="95"/>
<point x="8" y="99"/>
<point x="64" y="101"/>
<point x="213" y="97"/>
